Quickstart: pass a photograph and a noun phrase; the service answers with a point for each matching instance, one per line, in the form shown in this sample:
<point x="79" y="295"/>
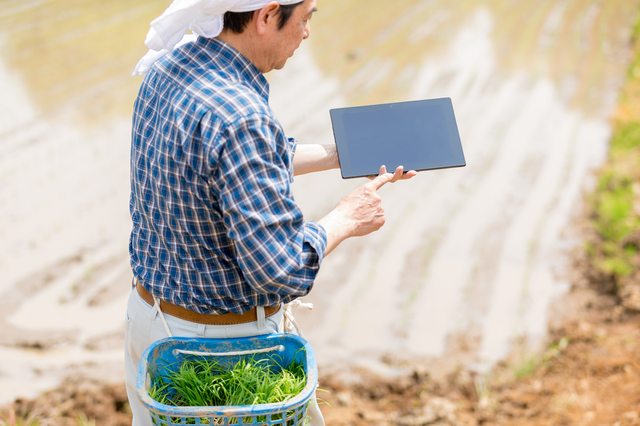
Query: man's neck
<point x="244" y="43"/>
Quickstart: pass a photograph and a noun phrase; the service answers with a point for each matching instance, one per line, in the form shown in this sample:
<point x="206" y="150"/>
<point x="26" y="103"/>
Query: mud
<point x="75" y="400"/>
<point x="593" y="378"/>
<point x="470" y="260"/>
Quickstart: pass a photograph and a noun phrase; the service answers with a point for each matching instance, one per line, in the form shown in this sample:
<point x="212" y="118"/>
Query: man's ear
<point x="267" y="16"/>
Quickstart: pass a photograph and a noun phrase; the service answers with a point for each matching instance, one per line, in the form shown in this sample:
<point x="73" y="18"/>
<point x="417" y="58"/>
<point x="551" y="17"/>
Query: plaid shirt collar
<point x="226" y="56"/>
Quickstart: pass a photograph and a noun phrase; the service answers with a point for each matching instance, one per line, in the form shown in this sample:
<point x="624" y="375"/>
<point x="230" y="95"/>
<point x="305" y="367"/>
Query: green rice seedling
<point x="10" y="418"/>
<point x="84" y="421"/>
<point x="202" y="382"/>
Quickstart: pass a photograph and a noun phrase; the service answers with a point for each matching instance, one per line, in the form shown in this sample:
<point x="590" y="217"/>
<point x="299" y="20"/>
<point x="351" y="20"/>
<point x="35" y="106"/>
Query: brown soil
<point x="591" y="378"/>
<point x="77" y="401"/>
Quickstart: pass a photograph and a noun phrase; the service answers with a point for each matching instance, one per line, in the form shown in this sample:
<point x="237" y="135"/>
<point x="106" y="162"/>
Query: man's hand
<point x="360" y="212"/>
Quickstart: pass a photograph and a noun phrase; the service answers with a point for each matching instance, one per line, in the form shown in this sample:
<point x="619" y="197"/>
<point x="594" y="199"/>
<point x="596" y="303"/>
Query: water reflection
<point x="66" y="97"/>
<point x="469" y="260"/>
<point x="376" y="49"/>
<point x="76" y="54"/>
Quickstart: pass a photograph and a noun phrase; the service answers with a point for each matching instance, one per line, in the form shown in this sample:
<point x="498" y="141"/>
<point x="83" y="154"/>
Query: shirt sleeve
<point x="277" y="250"/>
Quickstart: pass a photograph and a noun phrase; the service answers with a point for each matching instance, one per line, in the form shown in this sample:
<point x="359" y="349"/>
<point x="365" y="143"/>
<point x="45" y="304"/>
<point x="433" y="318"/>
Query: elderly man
<point x="218" y="244"/>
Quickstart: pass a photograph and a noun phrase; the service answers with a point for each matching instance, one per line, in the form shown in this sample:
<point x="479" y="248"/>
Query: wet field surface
<point x="469" y="260"/>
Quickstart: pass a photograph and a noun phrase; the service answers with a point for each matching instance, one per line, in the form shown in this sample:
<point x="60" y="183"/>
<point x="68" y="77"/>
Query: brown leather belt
<point x="186" y="314"/>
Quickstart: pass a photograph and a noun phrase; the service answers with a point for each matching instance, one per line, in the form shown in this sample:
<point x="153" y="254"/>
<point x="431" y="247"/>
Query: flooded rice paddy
<point x="469" y="260"/>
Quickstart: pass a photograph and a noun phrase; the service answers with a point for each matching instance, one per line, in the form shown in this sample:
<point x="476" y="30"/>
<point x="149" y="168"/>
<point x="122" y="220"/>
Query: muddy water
<point x="469" y="259"/>
<point x="65" y="105"/>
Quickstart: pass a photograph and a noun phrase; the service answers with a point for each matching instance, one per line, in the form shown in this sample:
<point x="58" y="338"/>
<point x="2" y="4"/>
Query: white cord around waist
<point x="290" y="323"/>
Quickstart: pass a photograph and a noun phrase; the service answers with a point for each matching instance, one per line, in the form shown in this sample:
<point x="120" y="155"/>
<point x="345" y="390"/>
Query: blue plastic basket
<point x="229" y="352"/>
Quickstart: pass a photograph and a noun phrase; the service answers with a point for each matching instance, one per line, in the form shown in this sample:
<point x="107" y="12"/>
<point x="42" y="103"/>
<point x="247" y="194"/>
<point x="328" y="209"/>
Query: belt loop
<point x="260" y="317"/>
<point x="154" y="311"/>
<point x="201" y="330"/>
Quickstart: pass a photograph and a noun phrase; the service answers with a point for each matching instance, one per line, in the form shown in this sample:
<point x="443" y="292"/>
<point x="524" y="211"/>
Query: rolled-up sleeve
<point x="277" y="250"/>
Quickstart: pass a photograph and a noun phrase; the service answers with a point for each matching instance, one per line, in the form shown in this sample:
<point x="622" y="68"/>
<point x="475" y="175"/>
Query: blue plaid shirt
<point x="215" y="225"/>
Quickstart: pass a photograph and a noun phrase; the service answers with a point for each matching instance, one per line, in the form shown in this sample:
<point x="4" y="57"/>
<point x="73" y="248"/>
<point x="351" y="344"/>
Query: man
<point x="218" y="244"/>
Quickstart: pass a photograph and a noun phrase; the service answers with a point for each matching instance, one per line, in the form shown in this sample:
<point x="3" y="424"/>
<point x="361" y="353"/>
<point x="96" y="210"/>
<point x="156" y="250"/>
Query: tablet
<point x="419" y="135"/>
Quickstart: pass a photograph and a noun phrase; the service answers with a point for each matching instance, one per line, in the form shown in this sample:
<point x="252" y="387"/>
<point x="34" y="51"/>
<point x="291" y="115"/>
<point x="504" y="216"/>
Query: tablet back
<point x="418" y="135"/>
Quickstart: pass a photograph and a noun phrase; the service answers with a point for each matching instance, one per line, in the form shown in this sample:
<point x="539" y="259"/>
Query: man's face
<point x="288" y="39"/>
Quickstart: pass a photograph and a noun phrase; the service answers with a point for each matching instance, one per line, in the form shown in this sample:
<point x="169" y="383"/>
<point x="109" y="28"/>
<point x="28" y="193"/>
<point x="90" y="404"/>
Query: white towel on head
<point x="203" y="17"/>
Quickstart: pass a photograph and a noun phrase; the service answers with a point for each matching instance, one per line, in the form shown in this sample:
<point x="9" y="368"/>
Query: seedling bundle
<point x="262" y="380"/>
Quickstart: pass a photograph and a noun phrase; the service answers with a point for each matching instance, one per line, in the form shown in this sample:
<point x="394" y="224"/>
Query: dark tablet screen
<point x="419" y="135"/>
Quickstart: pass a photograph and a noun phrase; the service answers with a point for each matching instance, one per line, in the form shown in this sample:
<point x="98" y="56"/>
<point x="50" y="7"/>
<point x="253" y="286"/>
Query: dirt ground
<point x="591" y="378"/>
<point x="589" y="375"/>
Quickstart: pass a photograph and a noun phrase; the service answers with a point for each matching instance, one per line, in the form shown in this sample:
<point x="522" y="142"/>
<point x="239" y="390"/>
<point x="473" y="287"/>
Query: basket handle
<point x="248" y="352"/>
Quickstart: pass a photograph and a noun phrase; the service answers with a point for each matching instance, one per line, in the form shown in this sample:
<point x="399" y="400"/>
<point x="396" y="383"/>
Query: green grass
<point x="10" y="418"/>
<point x="531" y="364"/>
<point x="614" y="205"/>
<point x="84" y="421"/>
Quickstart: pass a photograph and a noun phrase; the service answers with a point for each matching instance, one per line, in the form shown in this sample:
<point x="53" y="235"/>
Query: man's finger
<point x="383" y="170"/>
<point x="380" y="181"/>
<point x="397" y="175"/>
